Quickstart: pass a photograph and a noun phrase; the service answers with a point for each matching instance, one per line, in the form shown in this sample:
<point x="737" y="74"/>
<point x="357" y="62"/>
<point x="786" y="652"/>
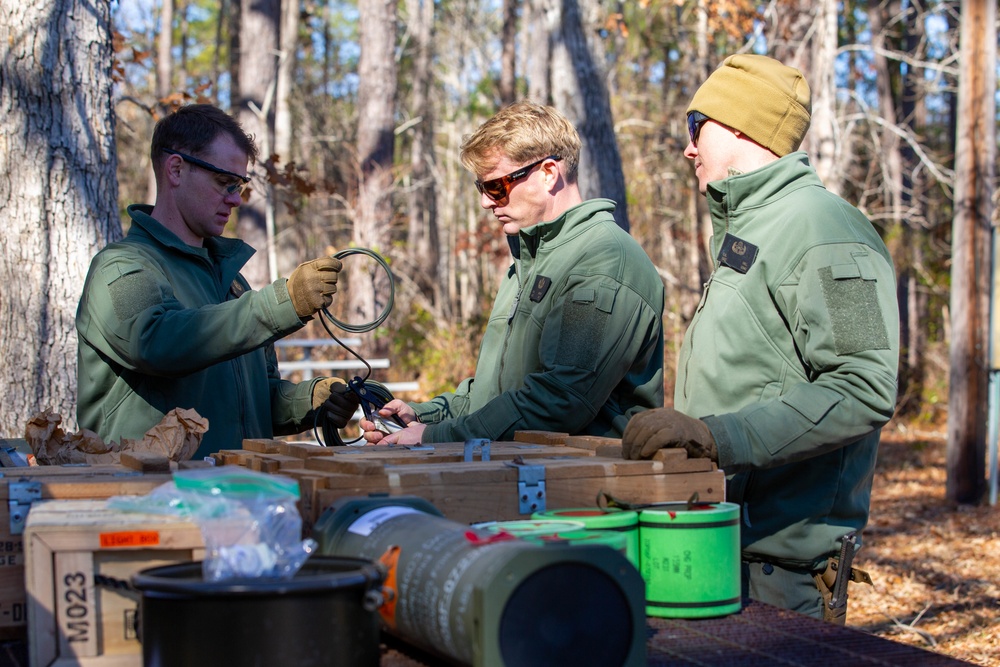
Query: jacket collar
<point x="218" y="249"/>
<point x="759" y="187"/>
<point x="533" y="237"/>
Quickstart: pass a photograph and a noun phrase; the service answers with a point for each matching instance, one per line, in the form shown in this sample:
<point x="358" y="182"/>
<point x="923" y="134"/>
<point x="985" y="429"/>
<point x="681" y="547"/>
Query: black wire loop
<point x="331" y="435"/>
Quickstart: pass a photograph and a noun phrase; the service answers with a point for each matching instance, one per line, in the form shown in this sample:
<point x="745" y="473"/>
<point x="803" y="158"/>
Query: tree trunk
<point x="234" y="19"/>
<point x="260" y="22"/>
<point x="182" y="74"/>
<point x="975" y="158"/>
<point x="58" y="191"/>
<point x="368" y="288"/>
<point x="542" y="19"/>
<point x="423" y="231"/>
<point x="508" y="51"/>
<point x="579" y="91"/>
<point x="284" y="123"/>
<point x="164" y="53"/>
<point x="909" y="254"/>
<point x="164" y="76"/>
<point x="217" y="51"/>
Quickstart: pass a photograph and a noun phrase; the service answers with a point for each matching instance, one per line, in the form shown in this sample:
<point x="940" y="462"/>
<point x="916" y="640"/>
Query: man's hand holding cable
<point x="660" y="428"/>
<point x="411" y="435"/>
<point x="312" y="284"/>
<point x="335" y="401"/>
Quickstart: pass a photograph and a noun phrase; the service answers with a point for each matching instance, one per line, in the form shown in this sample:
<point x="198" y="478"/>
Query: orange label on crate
<point x="130" y="538"/>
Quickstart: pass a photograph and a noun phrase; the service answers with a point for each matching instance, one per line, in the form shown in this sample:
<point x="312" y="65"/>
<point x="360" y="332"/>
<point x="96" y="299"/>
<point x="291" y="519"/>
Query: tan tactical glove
<point x="312" y="285"/>
<point x="336" y="402"/>
<point x="655" y="429"/>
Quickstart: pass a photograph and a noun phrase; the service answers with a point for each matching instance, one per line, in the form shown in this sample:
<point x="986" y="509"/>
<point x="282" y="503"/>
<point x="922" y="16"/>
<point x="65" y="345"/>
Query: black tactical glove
<point x="335" y="401"/>
<point x="312" y="284"/>
<point x="659" y="428"/>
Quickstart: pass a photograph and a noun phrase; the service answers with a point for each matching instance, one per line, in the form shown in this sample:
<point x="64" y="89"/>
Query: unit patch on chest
<point x="540" y="288"/>
<point x="737" y="254"/>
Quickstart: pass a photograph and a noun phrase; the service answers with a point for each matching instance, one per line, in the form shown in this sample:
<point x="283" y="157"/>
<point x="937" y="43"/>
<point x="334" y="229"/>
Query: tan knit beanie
<point x="765" y="100"/>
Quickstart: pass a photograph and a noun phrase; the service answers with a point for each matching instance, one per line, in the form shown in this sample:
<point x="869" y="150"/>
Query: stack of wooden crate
<point x="484" y="480"/>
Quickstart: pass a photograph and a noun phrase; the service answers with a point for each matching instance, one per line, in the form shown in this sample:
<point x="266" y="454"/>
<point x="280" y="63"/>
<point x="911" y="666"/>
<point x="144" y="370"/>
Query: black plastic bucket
<point x="324" y="615"/>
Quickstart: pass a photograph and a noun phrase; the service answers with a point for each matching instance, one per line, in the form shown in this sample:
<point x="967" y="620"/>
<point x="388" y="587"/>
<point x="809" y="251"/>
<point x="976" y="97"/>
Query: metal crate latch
<point x="530" y="488"/>
<point x="481" y="444"/>
<point x="20" y="496"/>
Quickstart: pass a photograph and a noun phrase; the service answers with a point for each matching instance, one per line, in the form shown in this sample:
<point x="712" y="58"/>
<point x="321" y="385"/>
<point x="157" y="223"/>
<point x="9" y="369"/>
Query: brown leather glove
<point x="336" y="402"/>
<point x="655" y="429"/>
<point x="312" y="284"/>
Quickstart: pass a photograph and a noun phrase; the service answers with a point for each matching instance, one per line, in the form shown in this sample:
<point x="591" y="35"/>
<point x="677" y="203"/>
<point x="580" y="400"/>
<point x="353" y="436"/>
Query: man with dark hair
<point x="166" y="320"/>
<point x="575" y="339"/>
<point x="788" y="368"/>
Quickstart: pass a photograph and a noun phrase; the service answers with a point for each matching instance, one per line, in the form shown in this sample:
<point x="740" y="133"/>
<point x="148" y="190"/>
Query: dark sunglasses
<point x="236" y="187"/>
<point x="497" y="189"/>
<point x="695" y="120"/>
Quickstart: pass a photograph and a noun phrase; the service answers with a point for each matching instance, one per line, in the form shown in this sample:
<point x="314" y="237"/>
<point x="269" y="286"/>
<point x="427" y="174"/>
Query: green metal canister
<point x="606" y="538"/>
<point x="690" y="559"/>
<point x="530" y="528"/>
<point x="608" y="519"/>
<point x="488" y="599"/>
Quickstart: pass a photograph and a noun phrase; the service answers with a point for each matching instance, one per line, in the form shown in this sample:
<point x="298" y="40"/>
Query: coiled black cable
<point x="331" y="435"/>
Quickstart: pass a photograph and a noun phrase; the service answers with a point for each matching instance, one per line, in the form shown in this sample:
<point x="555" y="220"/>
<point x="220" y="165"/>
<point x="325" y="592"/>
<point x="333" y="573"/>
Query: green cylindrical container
<point x="596" y="518"/>
<point x="530" y="528"/>
<point x="690" y="559"/>
<point x="607" y="538"/>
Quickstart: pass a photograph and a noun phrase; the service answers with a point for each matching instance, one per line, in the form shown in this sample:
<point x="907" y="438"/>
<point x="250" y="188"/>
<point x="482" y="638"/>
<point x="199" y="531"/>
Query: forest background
<point x="359" y="109"/>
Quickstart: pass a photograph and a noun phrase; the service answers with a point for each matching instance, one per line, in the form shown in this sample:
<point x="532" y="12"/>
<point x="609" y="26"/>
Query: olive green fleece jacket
<point x="574" y="342"/>
<point x="164" y="325"/>
<point x="791" y="359"/>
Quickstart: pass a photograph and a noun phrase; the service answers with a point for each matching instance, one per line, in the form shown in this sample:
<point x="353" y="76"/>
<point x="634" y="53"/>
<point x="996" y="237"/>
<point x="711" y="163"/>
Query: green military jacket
<point x="574" y="342"/>
<point x="791" y="358"/>
<point x="163" y="325"/>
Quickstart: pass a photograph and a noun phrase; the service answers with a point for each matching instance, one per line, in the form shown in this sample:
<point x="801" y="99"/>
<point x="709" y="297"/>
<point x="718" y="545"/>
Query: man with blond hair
<point x="574" y="342"/>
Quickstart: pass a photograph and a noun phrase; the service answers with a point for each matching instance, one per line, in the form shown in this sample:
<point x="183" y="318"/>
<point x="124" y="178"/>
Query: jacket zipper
<point x="701" y="305"/>
<point x="510" y="323"/>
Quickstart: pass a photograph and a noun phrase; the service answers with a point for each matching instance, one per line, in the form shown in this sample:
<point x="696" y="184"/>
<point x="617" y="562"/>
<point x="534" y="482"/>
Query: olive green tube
<point x="484" y="599"/>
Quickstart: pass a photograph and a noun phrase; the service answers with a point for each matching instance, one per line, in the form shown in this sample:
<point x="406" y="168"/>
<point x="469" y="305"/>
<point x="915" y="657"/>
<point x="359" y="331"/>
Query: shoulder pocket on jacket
<point x="585" y="317"/>
<point x="850" y="292"/>
<point x="131" y="288"/>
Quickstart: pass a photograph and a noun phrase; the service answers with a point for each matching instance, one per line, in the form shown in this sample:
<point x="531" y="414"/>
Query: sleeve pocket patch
<point x="132" y="290"/>
<point x="581" y="334"/>
<point x="854" y="309"/>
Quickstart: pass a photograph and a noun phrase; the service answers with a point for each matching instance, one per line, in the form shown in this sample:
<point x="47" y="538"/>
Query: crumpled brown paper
<point x="177" y="437"/>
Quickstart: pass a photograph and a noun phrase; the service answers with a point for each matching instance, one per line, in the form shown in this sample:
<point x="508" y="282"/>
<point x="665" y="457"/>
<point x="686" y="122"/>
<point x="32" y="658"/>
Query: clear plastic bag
<point x="249" y="520"/>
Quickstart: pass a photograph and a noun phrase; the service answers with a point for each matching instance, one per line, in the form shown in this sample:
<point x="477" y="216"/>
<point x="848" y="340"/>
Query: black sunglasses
<point x="695" y="120"/>
<point x="497" y="189"/>
<point x="233" y="188"/>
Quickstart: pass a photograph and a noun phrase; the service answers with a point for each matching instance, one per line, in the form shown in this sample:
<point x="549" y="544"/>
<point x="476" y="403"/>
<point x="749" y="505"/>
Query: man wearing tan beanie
<point x="788" y="369"/>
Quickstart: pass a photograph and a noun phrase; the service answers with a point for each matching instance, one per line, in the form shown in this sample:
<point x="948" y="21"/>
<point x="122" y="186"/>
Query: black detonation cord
<point x="331" y="435"/>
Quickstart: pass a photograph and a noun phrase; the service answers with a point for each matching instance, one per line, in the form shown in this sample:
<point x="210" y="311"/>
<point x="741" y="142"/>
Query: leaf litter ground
<point x="936" y="564"/>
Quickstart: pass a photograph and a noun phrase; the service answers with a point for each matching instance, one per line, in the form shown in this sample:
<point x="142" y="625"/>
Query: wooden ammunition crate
<point x="80" y="558"/>
<point x="536" y="470"/>
<point x="20" y="488"/>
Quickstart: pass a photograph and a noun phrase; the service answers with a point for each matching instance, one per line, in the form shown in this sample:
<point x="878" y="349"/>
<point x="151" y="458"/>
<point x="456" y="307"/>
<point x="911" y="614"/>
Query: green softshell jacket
<point x="791" y="359"/>
<point x="574" y="342"/>
<point x="164" y="325"/>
